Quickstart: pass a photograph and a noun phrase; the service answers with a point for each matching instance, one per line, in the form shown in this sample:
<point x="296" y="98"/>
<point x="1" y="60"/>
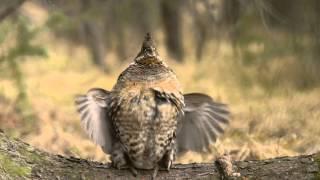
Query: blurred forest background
<point x="259" y="56"/>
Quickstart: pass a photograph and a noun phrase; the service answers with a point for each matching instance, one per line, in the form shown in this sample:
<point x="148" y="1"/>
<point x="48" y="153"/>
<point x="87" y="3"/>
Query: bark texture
<point x="18" y="160"/>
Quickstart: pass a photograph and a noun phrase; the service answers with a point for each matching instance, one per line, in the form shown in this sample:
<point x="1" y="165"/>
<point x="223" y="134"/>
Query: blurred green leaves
<point x="15" y="45"/>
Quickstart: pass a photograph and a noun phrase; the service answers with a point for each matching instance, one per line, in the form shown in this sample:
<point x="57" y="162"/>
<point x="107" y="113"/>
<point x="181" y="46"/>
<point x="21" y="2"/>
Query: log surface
<point x="19" y="160"/>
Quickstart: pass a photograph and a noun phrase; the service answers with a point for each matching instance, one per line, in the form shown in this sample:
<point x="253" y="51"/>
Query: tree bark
<point x="18" y="160"/>
<point x="94" y="38"/>
<point x="171" y="18"/>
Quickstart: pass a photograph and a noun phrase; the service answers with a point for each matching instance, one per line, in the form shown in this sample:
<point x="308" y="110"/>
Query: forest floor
<point x="273" y="114"/>
<point x="264" y="124"/>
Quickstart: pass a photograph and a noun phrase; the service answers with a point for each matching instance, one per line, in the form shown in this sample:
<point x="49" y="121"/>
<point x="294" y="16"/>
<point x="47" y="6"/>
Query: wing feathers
<point x="203" y="121"/>
<point x="93" y="109"/>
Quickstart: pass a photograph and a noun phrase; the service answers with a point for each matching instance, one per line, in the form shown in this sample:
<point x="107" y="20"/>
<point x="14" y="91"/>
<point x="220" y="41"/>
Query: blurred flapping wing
<point x="93" y="109"/>
<point x="203" y="121"/>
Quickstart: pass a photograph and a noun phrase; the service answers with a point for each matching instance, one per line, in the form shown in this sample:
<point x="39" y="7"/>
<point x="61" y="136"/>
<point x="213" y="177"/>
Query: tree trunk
<point x="19" y="160"/>
<point x="171" y="18"/>
<point x="94" y="38"/>
<point x="9" y="7"/>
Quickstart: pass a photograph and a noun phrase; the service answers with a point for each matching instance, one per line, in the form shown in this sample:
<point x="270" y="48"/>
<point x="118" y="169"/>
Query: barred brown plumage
<point x="145" y="119"/>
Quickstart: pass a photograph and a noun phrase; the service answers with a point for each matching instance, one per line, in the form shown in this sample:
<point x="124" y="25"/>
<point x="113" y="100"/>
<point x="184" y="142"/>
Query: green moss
<point x="317" y="159"/>
<point x="13" y="168"/>
<point x="29" y="153"/>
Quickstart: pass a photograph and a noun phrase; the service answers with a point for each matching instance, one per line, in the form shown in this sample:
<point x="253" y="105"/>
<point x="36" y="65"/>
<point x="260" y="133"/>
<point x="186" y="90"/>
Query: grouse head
<point x="148" y="54"/>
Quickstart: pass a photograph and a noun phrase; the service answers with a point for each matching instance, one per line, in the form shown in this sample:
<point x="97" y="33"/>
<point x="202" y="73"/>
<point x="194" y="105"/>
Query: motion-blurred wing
<point x="203" y="121"/>
<point x="93" y="109"/>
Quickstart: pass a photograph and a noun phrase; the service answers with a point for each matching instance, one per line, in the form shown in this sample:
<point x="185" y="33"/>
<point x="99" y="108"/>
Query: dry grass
<point x="268" y="120"/>
<point x="263" y="125"/>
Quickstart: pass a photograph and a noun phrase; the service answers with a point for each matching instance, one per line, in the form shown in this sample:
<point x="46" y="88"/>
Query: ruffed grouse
<point x="145" y="120"/>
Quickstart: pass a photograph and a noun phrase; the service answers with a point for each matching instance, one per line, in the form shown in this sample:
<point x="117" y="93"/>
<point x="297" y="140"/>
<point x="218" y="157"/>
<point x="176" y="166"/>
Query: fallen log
<point x="19" y="160"/>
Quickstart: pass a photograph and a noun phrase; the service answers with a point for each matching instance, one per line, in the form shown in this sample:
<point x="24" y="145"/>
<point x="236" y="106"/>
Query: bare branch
<point x="11" y="9"/>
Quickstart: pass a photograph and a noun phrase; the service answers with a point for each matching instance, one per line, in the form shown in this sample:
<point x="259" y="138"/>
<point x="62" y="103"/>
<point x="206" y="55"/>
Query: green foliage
<point x="10" y="61"/>
<point x="272" y="58"/>
<point x="4" y="30"/>
<point x="62" y="24"/>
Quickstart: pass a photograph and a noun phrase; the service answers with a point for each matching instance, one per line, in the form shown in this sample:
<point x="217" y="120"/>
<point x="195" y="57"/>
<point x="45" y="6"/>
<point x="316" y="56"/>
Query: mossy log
<point x="19" y="160"/>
